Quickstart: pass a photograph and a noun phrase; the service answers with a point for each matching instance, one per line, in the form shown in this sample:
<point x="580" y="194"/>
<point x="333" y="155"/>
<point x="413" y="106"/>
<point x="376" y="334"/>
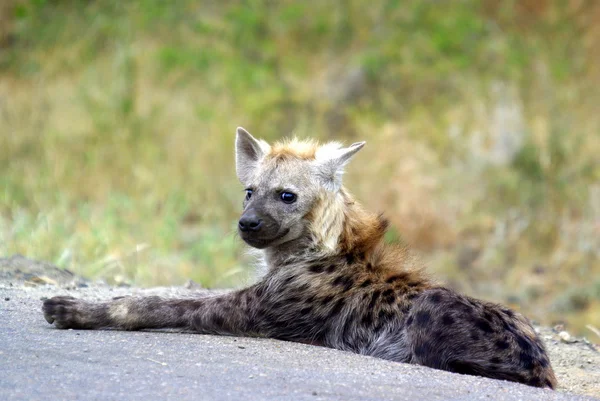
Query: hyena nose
<point x="250" y="223"/>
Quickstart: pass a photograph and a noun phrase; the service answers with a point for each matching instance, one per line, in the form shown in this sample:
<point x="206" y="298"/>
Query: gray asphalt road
<point x="38" y="362"/>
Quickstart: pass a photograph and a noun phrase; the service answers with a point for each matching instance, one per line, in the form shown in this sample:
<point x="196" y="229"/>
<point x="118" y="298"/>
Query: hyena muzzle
<point x="330" y="279"/>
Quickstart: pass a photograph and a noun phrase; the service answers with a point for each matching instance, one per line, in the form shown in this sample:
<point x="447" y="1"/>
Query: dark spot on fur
<point x="488" y="317"/>
<point x="447" y="319"/>
<point x="337" y="307"/>
<point x="218" y="320"/>
<point x="475" y="337"/>
<point x="495" y="360"/>
<point x="544" y="362"/>
<point x="331" y="268"/>
<point x="306" y="310"/>
<point x="293" y="299"/>
<point x="413" y="284"/>
<point x="498" y="314"/>
<point x="288" y="280"/>
<point x="524" y="343"/>
<point x="435" y="298"/>
<point x="412" y="296"/>
<point x="316" y="268"/>
<point x="344" y="281"/>
<point x="349" y="258"/>
<point x="460" y="306"/>
<point x="367" y="319"/>
<point x="327" y="300"/>
<point x="535" y="382"/>
<point x="360" y="256"/>
<point x="483" y="326"/>
<point x="508" y="312"/>
<point x="388" y="296"/>
<point x="366" y="283"/>
<point x="385" y="315"/>
<point x="383" y="223"/>
<point x="422" y="318"/>
<point x="259" y="291"/>
<point x="421" y="350"/>
<point x="526" y="360"/>
<point x="303" y="287"/>
<point x="510" y="327"/>
<point x="462" y="367"/>
<point x="374" y="298"/>
<point x="409" y="321"/>
<point x="369" y="266"/>
<point x="396" y="277"/>
<point x="502" y="344"/>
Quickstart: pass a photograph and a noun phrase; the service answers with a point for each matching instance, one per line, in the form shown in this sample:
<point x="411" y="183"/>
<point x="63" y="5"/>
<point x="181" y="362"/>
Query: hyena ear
<point x="331" y="160"/>
<point x="249" y="151"/>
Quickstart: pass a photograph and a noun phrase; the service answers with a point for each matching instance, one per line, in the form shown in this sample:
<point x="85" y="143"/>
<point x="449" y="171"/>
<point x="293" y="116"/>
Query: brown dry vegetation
<point x="117" y="122"/>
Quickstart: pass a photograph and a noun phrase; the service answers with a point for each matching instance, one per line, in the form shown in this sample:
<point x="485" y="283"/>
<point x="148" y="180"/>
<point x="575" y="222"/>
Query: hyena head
<point x="286" y="184"/>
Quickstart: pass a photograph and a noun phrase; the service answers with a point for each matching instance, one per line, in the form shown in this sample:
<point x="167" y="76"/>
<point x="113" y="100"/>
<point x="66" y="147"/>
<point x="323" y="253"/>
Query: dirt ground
<point x="576" y="361"/>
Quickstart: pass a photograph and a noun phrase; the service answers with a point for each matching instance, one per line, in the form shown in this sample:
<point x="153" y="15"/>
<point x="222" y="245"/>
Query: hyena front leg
<point x="224" y="314"/>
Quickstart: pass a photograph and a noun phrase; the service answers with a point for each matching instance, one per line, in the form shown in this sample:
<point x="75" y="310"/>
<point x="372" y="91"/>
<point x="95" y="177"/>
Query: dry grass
<point x="117" y="121"/>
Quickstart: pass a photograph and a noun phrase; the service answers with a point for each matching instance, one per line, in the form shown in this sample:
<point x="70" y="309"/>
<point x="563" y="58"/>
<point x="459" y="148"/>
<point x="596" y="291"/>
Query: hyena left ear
<point x="331" y="160"/>
<point x="249" y="151"/>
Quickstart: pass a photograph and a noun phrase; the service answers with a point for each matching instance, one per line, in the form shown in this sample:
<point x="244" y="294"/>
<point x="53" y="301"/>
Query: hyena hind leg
<point x="448" y="331"/>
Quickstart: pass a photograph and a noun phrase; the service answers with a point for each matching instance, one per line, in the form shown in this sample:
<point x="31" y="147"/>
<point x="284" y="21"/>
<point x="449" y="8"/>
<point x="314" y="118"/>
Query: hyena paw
<point x="65" y="312"/>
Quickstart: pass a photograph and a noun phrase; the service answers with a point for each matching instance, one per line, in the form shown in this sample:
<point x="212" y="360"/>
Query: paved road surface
<point x="39" y="362"/>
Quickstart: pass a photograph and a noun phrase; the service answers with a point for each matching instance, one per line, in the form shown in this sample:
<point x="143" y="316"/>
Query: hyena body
<point x="331" y="280"/>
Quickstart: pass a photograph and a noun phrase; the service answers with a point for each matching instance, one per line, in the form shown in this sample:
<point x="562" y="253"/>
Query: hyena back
<point x="331" y="280"/>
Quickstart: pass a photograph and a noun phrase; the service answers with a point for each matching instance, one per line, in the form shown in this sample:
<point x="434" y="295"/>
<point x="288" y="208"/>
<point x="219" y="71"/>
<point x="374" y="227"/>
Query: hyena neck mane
<point x="337" y="225"/>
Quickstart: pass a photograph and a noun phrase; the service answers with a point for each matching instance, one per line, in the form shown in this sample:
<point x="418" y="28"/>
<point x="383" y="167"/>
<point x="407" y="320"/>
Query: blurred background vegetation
<point x="482" y="118"/>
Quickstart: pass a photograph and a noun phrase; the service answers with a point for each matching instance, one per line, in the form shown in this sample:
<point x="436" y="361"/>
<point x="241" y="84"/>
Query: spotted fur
<point x="331" y="280"/>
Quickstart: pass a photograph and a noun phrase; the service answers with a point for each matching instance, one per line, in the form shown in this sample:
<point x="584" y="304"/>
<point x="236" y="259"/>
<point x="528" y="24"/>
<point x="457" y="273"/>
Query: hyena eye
<point x="288" y="197"/>
<point x="248" y="194"/>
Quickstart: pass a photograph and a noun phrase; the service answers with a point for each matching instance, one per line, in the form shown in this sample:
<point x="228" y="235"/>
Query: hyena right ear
<point x="249" y="151"/>
<point x="331" y="160"/>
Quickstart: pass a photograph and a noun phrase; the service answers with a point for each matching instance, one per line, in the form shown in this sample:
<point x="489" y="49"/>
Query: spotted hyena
<point x="331" y="279"/>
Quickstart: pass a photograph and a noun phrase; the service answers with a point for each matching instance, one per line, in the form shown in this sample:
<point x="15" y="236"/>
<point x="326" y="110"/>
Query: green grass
<point x="117" y="123"/>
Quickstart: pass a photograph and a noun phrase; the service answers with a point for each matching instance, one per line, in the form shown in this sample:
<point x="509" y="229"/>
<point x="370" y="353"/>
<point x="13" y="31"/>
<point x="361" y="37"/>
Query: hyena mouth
<point x="261" y="243"/>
